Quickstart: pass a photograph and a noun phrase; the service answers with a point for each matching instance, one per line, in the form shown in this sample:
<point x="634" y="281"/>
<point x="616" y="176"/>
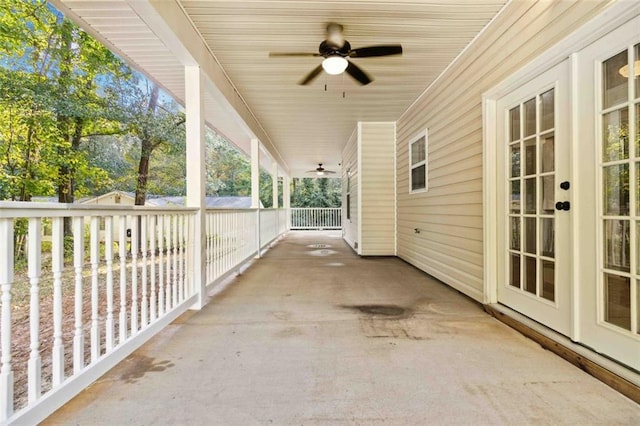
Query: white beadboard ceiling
<point x="304" y="125"/>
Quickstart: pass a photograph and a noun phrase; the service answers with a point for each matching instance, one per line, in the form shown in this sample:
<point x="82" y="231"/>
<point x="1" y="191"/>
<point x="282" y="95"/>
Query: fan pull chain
<point x="325" y="87"/>
<point x="343" y="95"/>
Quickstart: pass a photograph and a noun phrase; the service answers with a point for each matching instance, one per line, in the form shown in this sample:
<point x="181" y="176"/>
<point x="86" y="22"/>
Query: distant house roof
<point x="211" y="202"/>
<point x="159" y="201"/>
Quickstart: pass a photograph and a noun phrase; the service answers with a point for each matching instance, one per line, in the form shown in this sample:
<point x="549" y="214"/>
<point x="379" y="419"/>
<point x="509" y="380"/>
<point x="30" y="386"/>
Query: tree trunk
<point x="146" y="148"/>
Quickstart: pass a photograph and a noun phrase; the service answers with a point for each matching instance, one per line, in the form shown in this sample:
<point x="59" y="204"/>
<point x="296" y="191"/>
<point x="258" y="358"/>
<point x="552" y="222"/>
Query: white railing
<point x="316" y="218"/>
<point x="231" y="240"/>
<point x="268" y="226"/>
<point x="82" y="287"/>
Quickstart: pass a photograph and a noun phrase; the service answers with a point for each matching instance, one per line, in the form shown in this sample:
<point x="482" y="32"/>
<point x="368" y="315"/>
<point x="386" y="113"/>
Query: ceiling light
<point x="624" y="71"/>
<point x="335" y="65"/>
<point x="319" y="173"/>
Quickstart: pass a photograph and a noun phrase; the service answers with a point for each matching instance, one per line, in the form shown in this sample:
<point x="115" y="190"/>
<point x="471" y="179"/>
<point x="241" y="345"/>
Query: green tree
<point x="51" y="75"/>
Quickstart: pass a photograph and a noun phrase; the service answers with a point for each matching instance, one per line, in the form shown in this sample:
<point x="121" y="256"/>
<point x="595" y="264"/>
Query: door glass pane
<point x="617" y="300"/>
<point x="615" y="180"/>
<point x="546" y="100"/>
<point x="638" y="258"/>
<point x="530" y="157"/>
<point x="548" y="195"/>
<point x="514" y="124"/>
<point x="636" y="72"/>
<point x="638" y="127"/>
<point x="530" y="235"/>
<point x="530" y="274"/>
<point x="615" y="135"/>
<point x="515" y="233"/>
<point x="548" y="280"/>
<point x="547" y="237"/>
<point x="530" y="195"/>
<point x="515" y="270"/>
<point x="515" y="160"/>
<point x="616" y="245"/>
<point x="515" y="196"/>
<point x="530" y="117"/>
<point x="547" y="157"/>
<point x="637" y="191"/>
<point x="614" y="88"/>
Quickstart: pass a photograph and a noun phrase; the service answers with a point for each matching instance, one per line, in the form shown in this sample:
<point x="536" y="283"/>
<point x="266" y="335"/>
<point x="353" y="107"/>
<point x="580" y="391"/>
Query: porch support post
<point x="274" y="179"/>
<point x="194" y="108"/>
<point x="286" y="198"/>
<point x="255" y="173"/>
<point x="255" y="189"/>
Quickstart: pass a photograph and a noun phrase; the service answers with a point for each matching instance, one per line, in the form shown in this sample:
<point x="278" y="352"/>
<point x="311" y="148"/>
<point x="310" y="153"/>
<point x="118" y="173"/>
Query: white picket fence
<point x="76" y="301"/>
<point x="316" y="218"/>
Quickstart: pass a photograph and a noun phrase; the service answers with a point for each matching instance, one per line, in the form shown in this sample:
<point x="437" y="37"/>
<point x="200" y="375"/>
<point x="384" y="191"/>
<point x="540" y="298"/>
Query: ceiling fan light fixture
<point x="335" y="65"/>
<point x="320" y="173"/>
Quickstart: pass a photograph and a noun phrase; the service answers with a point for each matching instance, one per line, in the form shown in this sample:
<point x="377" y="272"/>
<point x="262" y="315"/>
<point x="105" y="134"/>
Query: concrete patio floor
<point x="312" y="334"/>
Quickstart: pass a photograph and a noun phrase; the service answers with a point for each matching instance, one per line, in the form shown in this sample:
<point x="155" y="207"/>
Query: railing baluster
<point x="78" y="263"/>
<point x="144" y="311"/>
<point x="134" y="221"/>
<point x="167" y="235"/>
<point x="95" y="289"/>
<point x="122" y="251"/>
<point x="181" y="257"/>
<point x="6" y="281"/>
<point x="35" y="271"/>
<point x="174" y="235"/>
<point x="160" y="230"/>
<point x="152" y="249"/>
<point x="108" y="255"/>
<point x="57" y="266"/>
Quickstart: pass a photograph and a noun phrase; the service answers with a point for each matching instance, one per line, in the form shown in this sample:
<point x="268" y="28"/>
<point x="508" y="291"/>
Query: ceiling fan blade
<point x="382" y="50"/>
<point x="292" y="54"/>
<point x="354" y="71"/>
<point x="309" y="77"/>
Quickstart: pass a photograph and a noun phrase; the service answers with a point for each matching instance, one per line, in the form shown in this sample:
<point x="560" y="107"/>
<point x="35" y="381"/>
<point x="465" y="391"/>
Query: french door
<point x="534" y="224"/>
<point x="609" y="100"/>
<point x="568" y="196"/>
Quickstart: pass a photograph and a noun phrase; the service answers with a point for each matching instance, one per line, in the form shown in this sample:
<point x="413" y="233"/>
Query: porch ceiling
<point x="305" y="124"/>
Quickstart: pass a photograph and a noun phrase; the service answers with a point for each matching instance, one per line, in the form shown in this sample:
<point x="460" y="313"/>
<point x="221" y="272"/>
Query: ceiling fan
<point x="337" y="51"/>
<point x="321" y="171"/>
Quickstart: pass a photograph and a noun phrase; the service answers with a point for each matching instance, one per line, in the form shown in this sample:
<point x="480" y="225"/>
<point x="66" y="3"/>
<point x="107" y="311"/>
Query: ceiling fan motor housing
<point x="327" y="49"/>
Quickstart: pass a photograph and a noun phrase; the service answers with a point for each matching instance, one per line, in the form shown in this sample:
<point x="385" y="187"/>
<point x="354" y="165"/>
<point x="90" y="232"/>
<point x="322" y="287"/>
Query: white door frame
<point x="617" y="14"/>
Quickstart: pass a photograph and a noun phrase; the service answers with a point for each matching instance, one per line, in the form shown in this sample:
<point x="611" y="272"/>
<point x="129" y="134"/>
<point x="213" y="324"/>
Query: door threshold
<point x="621" y="378"/>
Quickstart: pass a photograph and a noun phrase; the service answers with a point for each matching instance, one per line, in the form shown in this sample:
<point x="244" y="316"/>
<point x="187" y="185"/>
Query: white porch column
<point x="274" y="180"/>
<point x="255" y="189"/>
<point x="255" y="173"/>
<point x="286" y="198"/>
<point x="194" y="108"/>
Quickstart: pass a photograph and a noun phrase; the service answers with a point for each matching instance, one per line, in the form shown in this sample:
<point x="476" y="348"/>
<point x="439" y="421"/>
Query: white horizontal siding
<point x="378" y="229"/>
<point x="449" y="244"/>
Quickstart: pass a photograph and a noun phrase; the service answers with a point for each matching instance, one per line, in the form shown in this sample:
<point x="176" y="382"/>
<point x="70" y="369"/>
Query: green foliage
<point x="312" y="192"/>
<point x="50" y="74"/>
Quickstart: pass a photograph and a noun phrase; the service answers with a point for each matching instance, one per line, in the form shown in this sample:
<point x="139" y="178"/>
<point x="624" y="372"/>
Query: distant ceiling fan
<point x="336" y="52"/>
<point x="321" y="171"/>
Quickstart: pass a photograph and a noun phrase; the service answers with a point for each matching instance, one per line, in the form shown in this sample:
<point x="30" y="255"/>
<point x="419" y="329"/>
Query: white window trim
<point x="424" y="134"/>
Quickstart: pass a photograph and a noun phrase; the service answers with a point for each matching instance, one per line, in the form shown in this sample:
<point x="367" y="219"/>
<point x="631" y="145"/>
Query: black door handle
<point x="563" y="205"/>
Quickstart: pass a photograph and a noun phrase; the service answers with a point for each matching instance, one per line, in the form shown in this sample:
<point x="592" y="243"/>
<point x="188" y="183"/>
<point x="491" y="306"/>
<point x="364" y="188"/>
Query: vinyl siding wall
<point x="449" y="216"/>
<point x="377" y="188"/>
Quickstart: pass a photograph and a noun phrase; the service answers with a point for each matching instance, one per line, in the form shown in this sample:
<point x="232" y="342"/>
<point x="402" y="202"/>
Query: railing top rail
<point x="10" y="209"/>
<point x="316" y="208"/>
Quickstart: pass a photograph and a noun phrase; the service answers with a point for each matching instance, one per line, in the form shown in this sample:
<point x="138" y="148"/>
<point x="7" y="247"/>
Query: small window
<point x="418" y="163"/>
